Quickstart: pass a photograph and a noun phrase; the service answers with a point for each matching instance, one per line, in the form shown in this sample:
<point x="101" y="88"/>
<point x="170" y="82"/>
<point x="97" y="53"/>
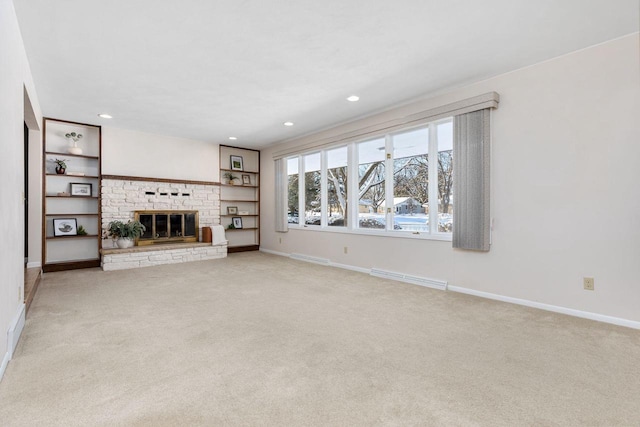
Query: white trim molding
<point x="35" y="264"/>
<point x="437" y="284"/>
<point x="548" y="307"/>
<point x="13" y="336"/>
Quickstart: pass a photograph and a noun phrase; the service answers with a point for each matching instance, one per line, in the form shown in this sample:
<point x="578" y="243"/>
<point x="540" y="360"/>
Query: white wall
<point x="132" y="153"/>
<point x="564" y="184"/>
<point x="15" y="75"/>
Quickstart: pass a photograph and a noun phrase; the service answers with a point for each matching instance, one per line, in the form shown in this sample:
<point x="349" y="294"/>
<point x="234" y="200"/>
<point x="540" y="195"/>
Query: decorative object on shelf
<point x="236" y="163"/>
<point x="207" y="236"/>
<point x="246" y="179"/>
<point x="65" y="227"/>
<point x="231" y="227"/>
<point x="125" y="233"/>
<point x="63" y="194"/>
<point x="232" y="210"/>
<point x="82" y="231"/>
<point x="73" y="140"/>
<point x="237" y="222"/>
<point x="61" y="166"/>
<point x="230" y="178"/>
<point x="81" y="189"/>
<point x="243" y="212"/>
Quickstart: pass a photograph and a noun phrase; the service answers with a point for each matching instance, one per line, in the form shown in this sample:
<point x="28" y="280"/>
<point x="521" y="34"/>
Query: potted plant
<point x="230" y="177"/>
<point x="125" y="233"/>
<point x="61" y="166"/>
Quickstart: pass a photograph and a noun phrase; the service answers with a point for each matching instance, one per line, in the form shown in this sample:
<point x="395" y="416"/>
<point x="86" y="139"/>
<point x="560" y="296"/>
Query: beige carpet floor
<point x="257" y="339"/>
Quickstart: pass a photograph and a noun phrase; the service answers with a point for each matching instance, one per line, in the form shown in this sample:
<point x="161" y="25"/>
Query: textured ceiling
<point x="207" y="70"/>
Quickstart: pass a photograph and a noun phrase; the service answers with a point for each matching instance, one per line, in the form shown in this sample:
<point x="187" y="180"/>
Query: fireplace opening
<point x="171" y="226"/>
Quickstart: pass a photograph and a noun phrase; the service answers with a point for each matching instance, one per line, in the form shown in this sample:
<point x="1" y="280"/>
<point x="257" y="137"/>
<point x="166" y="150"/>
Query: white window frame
<point x="352" y="226"/>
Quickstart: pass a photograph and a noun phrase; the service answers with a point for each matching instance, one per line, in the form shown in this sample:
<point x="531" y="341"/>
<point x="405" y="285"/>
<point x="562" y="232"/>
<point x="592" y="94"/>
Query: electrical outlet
<point x="345" y="249"/>
<point x="589" y="284"/>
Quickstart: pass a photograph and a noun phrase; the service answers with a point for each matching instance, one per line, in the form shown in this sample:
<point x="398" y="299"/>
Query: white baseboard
<point x="15" y="330"/>
<point x="554" y="308"/>
<point x="5" y="362"/>
<point x="269" y="251"/>
<point x="13" y="336"/>
<point x="548" y="307"/>
<point x="34" y="264"/>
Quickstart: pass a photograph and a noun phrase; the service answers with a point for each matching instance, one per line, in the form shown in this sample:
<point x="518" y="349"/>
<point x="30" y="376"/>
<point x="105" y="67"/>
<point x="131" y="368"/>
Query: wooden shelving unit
<point x="244" y="197"/>
<point x="72" y="251"/>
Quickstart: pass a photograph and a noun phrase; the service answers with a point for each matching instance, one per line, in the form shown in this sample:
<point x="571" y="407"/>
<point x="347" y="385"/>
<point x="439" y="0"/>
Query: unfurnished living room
<point x="320" y="213"/>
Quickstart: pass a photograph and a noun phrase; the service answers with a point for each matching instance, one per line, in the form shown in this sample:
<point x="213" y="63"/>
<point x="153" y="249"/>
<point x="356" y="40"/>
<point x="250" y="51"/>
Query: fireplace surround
<point x="167" y="226"/>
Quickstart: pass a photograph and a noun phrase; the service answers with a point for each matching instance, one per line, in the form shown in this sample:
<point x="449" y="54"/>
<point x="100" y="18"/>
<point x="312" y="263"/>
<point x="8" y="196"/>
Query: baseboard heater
<point x="308" y="258"/>
<point x="416" y="280"/>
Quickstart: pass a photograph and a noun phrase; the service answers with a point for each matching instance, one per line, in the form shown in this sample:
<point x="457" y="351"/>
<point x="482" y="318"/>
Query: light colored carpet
<point x="257" y="339"/>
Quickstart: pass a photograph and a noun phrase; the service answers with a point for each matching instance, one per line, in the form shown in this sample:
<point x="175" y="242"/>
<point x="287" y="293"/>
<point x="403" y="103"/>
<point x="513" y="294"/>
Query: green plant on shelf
<point x="61" y="163"/>
<point x="82" y="231"/>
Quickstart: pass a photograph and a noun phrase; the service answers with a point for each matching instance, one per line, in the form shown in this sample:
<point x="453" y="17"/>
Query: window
<point x="371" y="183"/>
<point x="293" y="205"/>
<point x="337" y="199"/>
<point x="392" y="194"/>
<point x="312" y="189"/>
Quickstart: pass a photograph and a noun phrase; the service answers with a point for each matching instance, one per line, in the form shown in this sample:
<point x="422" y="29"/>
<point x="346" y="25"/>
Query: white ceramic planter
<point x="124" y="243"/>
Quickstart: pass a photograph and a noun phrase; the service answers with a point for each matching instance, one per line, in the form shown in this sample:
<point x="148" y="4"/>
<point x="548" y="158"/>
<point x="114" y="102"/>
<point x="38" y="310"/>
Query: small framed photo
<point x="232" y="210"/>
<point x="236" y="163"/>
<point x="81" y="189"/>
<point x="237" y="222"/>
<point x="65" y="227"/>
<point x="246" y="179"/>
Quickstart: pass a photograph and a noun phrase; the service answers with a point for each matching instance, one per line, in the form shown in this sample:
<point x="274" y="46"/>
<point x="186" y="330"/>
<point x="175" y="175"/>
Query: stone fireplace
<point x="173" y="212"/>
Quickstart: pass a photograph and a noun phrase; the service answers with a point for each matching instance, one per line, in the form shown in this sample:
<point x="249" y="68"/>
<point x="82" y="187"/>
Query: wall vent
<point x="308" y="258"/>
<point x="416" y="280"/>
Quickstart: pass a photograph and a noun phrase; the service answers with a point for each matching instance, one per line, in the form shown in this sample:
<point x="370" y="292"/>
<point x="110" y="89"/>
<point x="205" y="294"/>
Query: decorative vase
<point x="124" y="243"/>
<point x="74" y="149"/>
<point x="59" y="170"/>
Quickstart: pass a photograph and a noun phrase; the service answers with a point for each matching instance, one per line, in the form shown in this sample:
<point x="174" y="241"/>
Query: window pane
<point x="371" y="178"/>
<point x="337" y="187"/>
<point x="312" y="179"/>
<point x="411" y="180"/>
<point x="292" y="203"/>
<point x="445" y="177"/>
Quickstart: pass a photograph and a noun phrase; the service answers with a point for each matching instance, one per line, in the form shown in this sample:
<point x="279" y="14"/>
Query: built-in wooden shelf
<point x="239" y="185"/>
<point x="233" y="170"/>
<point x="86" y="236"/>
<point x="241" y="229"/>
<point x="238" y="200"/>
<point x="53" y="153"/>
<point x="72" y="176"/>
<point x="72" y="214"/>
<point x="239" y="215"/>
<point x="73" y="197"/>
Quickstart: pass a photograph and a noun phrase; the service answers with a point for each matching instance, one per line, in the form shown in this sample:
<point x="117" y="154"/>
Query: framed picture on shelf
<point x="81" y="189"/>
<point x="236" y="163"/>
<point x="246" y="179"/>
<point x="237" y="222"/>
<point x="65" y="227"/>
<point x="232" y="210"/>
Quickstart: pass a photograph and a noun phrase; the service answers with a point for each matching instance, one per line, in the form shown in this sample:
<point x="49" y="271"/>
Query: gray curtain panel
<point x="471" y="180"/>
<point x="281" y="195"/>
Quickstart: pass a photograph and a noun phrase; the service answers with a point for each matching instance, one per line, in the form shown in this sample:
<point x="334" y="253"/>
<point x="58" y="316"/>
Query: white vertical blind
<point x="471" y="148"/>
<point x="281" y="195"/>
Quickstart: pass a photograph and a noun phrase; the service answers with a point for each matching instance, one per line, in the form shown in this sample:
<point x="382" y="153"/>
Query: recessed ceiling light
<point x="105" y="116"/>
<point x="353" y="98"/>
<point x="233" y="138"/>
<point x="288" y="123"/>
